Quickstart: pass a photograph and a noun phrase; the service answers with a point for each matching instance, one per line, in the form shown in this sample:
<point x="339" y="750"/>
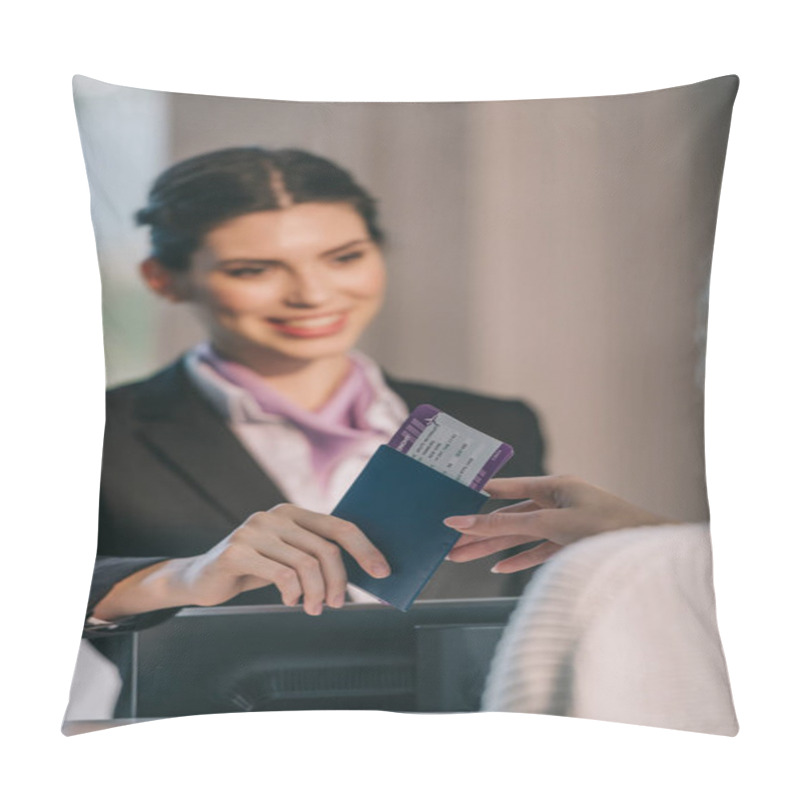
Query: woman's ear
<point x="167" y="283"/>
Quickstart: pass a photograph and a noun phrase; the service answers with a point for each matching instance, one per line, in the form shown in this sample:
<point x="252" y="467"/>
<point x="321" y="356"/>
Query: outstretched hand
<point x="555" y="511"/>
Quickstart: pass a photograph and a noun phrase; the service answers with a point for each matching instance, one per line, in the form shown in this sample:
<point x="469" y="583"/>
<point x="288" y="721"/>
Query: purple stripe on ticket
<point x="451" y="447"/>
<point x="415" y="424"/>
<point x="492" y="466"/>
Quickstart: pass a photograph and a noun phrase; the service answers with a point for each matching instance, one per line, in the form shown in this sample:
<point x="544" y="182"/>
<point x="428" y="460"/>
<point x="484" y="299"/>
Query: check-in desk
<point x="432" y="658"/>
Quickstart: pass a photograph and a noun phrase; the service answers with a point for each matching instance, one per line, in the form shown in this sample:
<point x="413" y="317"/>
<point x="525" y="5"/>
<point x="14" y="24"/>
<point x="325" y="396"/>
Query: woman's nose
<point x="308" y="287"/>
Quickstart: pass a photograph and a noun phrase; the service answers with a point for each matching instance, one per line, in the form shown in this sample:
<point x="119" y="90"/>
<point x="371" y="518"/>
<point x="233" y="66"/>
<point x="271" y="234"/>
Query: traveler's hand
<point x="557" y="510"/>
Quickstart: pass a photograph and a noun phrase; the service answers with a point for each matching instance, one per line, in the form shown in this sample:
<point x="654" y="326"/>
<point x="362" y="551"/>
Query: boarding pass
<point x="456" y="450"/>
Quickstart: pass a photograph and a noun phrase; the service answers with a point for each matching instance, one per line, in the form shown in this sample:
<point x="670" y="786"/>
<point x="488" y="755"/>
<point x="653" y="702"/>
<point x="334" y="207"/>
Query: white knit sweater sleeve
<point x="620" y="627"/>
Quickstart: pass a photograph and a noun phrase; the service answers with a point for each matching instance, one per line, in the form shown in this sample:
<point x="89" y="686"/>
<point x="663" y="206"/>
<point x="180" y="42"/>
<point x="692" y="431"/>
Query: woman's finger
<point x="498" y="523"/>
<point x="516" y="508"/>
<point x="556" y="524"/>
<point x="285" y="579"/>
<point x="249" y="569"/>
<point x="542" y="489"/>
<point x="329" y="556"/>
<point x="530" y="558"/>
<point x="305" y="565"/>
<point x="309" y="572"/>
<point x="468" y="537"/>
<point x="346" y="535"/>
<point x="484" y="547"/>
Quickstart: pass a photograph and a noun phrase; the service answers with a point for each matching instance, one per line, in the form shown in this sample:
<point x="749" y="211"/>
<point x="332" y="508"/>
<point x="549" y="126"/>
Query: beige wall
<point x="593" y="247"/>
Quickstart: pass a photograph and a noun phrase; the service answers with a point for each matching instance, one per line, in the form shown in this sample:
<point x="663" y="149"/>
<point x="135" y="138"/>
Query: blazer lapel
<point x="177" y="423"/>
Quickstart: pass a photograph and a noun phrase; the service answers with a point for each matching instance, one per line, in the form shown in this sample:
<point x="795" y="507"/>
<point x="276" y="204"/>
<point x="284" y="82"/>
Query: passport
<point x="399" y="503"/>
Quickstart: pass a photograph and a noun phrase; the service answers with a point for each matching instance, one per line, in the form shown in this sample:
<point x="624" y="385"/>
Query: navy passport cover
<point x="399" y="504"/>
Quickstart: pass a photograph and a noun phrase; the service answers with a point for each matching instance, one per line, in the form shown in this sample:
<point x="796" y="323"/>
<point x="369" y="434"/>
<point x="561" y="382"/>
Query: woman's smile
<point x="311" y="326"/>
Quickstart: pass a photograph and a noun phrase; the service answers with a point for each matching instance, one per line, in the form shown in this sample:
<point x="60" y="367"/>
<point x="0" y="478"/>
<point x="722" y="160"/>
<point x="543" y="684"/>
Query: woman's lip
<point x="307" y="327"/>
<point x="308" y="318"/>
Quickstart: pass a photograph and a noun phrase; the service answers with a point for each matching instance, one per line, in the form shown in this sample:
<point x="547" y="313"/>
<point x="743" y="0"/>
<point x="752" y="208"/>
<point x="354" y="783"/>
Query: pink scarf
<point x="331" y="430"/>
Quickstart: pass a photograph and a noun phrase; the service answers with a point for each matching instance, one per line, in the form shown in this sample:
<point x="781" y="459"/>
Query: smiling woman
<point x="287" y="293"/>
<point x="219" y="472"/>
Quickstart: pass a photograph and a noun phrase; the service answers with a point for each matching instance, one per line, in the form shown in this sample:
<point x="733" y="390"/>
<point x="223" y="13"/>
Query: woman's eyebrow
<point x="345" y="246"/>
<point x="260" y="261"/>
<point x="277" y="262"/>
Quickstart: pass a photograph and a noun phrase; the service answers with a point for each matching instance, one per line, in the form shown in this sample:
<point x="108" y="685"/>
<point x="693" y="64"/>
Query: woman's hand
<point x="559" y="510"/>
<point x="295" y="549"/>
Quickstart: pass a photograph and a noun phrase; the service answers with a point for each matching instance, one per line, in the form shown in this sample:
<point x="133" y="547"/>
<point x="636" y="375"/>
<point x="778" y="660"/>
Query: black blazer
<point x="175" y="480"/>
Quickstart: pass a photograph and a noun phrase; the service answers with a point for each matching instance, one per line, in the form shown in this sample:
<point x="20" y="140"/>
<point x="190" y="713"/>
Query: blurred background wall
<point x="557" y="251"/>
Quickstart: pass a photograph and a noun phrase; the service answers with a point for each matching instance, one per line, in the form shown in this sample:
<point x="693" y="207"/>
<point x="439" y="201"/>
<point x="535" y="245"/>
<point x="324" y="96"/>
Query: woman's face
<point x="293" y="285"/>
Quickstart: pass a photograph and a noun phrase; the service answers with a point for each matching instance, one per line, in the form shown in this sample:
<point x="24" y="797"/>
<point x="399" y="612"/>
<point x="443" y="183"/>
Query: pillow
<point x="547" y="282"/>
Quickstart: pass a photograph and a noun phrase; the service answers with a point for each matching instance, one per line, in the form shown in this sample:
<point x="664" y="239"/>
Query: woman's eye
<point x="348" y="257"/>
<point x="245" y="272"/>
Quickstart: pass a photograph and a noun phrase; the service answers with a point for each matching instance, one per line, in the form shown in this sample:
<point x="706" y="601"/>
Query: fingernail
<point x="337" y="601"/>
<point x="380" y="570"/>
<point x="496" y="569"/>
<point x="459" y="522"/>
<point x="315" y="610"/>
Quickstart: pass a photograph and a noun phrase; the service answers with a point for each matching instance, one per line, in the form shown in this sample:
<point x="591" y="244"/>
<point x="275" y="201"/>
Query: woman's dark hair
<point x="194" y="196"/>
